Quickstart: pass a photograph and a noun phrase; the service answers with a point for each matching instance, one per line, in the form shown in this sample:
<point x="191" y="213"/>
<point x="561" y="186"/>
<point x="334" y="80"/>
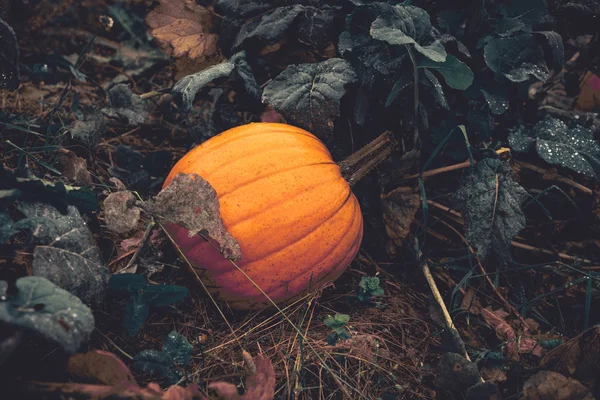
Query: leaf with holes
<point x="309" y="94"/>
<point x="43" y="308"/>
<point x="490" y="201"/>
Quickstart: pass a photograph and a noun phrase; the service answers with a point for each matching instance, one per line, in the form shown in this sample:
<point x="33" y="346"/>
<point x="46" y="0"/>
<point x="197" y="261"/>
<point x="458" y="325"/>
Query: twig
<point x="562" y="179"/>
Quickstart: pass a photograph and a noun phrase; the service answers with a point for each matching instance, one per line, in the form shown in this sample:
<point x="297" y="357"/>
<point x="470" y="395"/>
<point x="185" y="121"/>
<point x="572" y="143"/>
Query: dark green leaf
<point x="9" y="58"/>
<point x="245" y="74"/>
<point x="184" y="91"/>
<point x="41" y="307"/>
<point x="136" y="313"/>
<point x="490" y="201"/>
<point x="332" y="339"/>
<point x="130" y="283"/>
<point x="408" y="25"/>
<point x="398" y="87"/>
<point x="369" y="287"/>
<point x="556" y="49"/>
<point x="436" y="89"/>
<point x="269" y="27"/>
<point x="163" y="295"/>
<point x="519" y="15"/>
<point x="518" y="58"/>
<point x="177" y="348"/>
<point x="308" y="95"/>
<point x="497" y="99"/>
<point x="314" y="25"/>
<point x="66" y="252"/>
<point x="125" y="106"/>
<point x="520" y="141"/>
<point x="158" y="365"/>
<point x="457" y="74"/>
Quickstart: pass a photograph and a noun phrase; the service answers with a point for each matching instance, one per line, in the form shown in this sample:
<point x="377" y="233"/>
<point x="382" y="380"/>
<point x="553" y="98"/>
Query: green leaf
<point x="168" y="363"/>
<point x="332" y="339"/>
<point x="398" y="87"/>
<point x="163" y="295"/>
<point x="518" y="58"/>
<point x="131" y="283"/>
<point x="41" y="307"/>
<point x="369" y="287"/>
<point x="136" y="313"/>
<point x="431" y="82"/>
<point x="497" y="99"/>
<point x="457" y="74"/>
<point x="408" y="25"/>
<point x="574" y="148"/>
<point x="177" y="347"/>
<point x="519" y="15"/>
<point x="490" y="201"/>
<point x="336" y="322"/>
<point x="309" y="95"/>
<point x="10" y="77"/>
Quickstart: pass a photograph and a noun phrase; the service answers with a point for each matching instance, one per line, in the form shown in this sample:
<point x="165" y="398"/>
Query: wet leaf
<point x="10" y="78"/>
<point x="40" y="306"/>
<point x="168" y="363"/>
<point x="399" y="209"/>
<point x="431" y="81"/>
<point x="490" y="201"/>
<point x="120" y="213"/>
<point x="125" y="106"/>
<point x="309" y="95"/>
<point x="457" y="74"/>
<point x="183" y="29"/>
<point x="192" y="202"/>
<point x="404" y="25"/>
<point x="260" y="382"/>
<point x="66" y="252"/>
<point x="552" y="385"/>
<point x="574" y="148"/>
<point x="74" y="168"/>
<point x="97" y="366"/>
<point x="518" y="58"/>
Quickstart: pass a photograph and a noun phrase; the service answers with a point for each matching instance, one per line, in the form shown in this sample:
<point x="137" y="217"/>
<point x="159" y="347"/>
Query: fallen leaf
<point x="192" y="202"/>
<point x="494" y="375"/>
<point x="89" y="130"/>
<point x="399" y="209"/>
<point x="74" y="168"/>
<point x="578" y="357"/>
<point x="97" y="366"/>
<point x="548" y="385"/>
<point x="182" y="29"/>
<point x="121" y="214"/>
<point x="66" y="252"/>
<point x="504" y="331"/>
<point x="125" y="105"/>
<point x="260" y="383"/>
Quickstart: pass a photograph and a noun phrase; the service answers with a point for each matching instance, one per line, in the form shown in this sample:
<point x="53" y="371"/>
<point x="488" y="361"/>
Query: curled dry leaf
<point x="97" y="366"/>
<point x="182" y="28"/>
<point x="552" y="385"/>
<point x="74" y="168"/>
<point x="120" y="212"/>
<point x="192" y="202"/>
<point x="260" y="383"/>
<point x="399" y="208"/>
<point x="579" y="357"/>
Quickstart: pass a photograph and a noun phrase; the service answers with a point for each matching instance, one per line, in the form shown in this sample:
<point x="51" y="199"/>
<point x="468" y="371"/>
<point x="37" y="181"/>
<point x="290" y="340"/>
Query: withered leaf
<point x="182" y="28"/>
<point x="97" y="366"/>
<point x="66" y="253"/>
<point x="192" y="202"/>
<point x="126" y="106"/>
<point x="74" y="168"/>
<point x="578" y="357"/>
<point x="120" y="212"/>
<point x="260" y="383"/>
<point x="399" y="208"/>
<point x="552" y="385"/>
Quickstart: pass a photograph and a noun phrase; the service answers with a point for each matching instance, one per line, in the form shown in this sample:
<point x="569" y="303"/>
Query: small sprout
<point x="369" y="287"/>
<point x="338" y="325"/>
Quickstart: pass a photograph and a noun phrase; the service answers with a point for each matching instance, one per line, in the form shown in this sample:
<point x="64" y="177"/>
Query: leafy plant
<point x="142" y="296"/>
<point x="167" y="364"/>
<point x="369" y="287"/>
<point x="41" y="307"/>
<point x="338" y="324"/>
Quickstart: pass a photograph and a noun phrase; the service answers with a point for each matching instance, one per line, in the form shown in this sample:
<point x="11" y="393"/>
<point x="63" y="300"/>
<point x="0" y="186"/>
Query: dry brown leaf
<point x="260" y="383"/>
<point x="74" y="168"/>
<point x="97" y="366"/>
<point x="548" y="385"/>
<point x="121" y="214"/>
<point x="183" y="29"/>
<point x="579" y="357"/>
<point x="504" y="331"/>
<point x="399" y="209"/>
<point x="190" y="201"/>
<point x="493" y="375"/>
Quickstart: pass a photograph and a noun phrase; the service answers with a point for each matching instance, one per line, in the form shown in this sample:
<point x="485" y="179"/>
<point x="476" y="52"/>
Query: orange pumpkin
<point x="285" y="201"/>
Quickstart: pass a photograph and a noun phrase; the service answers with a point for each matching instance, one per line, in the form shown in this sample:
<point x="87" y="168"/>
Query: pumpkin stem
<point x="360" y="163"/>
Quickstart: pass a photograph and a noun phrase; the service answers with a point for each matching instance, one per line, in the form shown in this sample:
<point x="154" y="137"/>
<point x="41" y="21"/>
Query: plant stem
<point x="360" y="163"/>
<point x="416" y="95"/>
